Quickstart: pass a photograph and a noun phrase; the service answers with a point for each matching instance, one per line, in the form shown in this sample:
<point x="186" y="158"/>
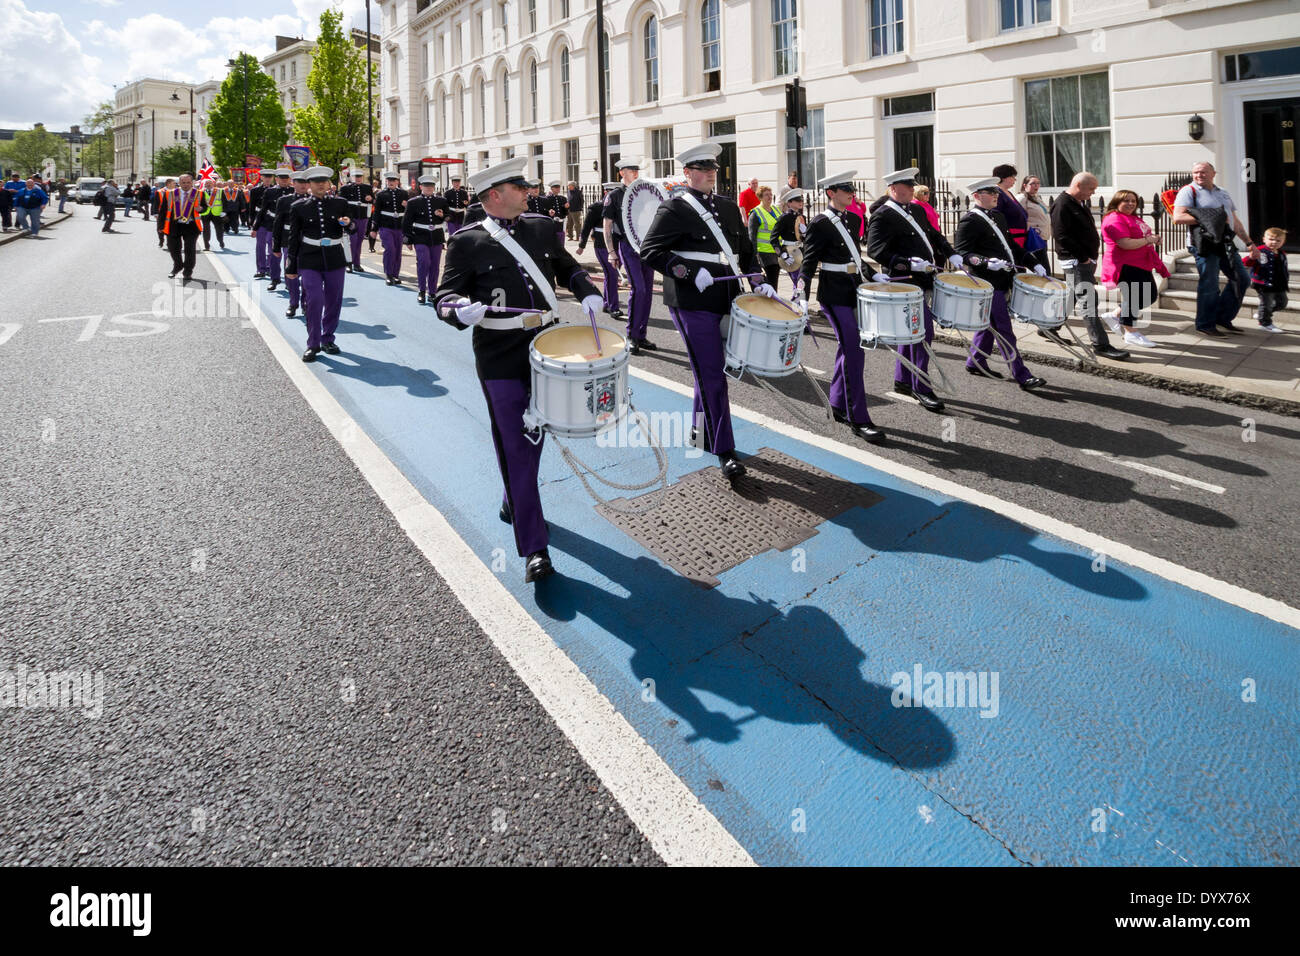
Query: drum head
<point x="575" y="343"/>
<point x="892" y="287"/>
<point x="1046" y="283"/>
<point x="963" y="281"/>
<point x="765" y="308"/>
<point x="640" y="202"/>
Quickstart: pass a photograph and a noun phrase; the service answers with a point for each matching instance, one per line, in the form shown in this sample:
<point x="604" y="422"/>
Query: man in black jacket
<point x="592" y="229"/>
<point x="280" y="235"/>
<point x="423" y="224"/>
<point x="510" y="260"/>
<point x="695" y="238"/>
<point x="457" y="201"/>
<point x="264" y="221"/>
<point x="1077" y="245"/>
<point x="390" y="202"/>
<point x="316" y="254"/>
<point x="262" y="248"/>
<point x="359" y="193"/>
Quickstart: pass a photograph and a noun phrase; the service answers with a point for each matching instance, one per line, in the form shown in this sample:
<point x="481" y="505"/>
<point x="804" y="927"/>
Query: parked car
<point x="86" y="187"/>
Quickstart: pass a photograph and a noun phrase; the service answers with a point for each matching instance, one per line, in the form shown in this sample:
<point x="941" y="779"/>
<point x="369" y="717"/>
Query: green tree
<point x="97" y="151"/>
<point x="335" y="124"/>
<point x="27" y="151"/>
<point x="173" y="160"/>
<point x="266" y="120"/>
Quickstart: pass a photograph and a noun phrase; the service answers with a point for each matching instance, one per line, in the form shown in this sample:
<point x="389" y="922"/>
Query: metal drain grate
<point x="704" y="526"/>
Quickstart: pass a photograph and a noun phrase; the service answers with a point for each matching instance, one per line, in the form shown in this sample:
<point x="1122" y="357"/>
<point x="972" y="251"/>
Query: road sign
<point x="395" y="148"/>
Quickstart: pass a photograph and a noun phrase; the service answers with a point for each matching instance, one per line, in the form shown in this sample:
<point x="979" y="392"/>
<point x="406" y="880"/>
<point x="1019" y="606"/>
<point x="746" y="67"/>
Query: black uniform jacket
<point x="676" y="228"/>
<point x="892" y="242"/>
<point x="592" y="226"/>
<point x="457" y="202"/>
<point x="785" y="228"/>
<point x="424" y="210"/>
<point x="474" y="214"/>
<point x="360" y="195"/>
<point x="389" y="201"/>
<point x="264" y="218"/>
<point x="312" y="218"/>
<point x="482" y="270"/>
<point x="825" y="244"/>
<point x="613" y="211"/>
<point x="280" y="224"/>
<point x="975" y="241"/>
<point x="555" y="205"/>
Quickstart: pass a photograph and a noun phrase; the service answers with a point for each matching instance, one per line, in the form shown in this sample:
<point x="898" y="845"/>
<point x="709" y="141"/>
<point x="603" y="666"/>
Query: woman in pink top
<point x="860" y="208"/>
<point x="1129" y="260"/>
<point x="921" y="197"/>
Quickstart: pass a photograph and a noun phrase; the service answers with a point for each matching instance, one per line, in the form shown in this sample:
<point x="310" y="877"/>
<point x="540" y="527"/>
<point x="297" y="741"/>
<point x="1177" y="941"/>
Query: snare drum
<point x="891" y="313"/>
<point x="576" y="392"/>
<point x="764" y="336"/>
<point x="1038" y="300"/>
<point x="962" y="302"/>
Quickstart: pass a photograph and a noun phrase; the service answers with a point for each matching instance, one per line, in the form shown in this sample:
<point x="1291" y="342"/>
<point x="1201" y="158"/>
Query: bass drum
<point x="640" y="202"/>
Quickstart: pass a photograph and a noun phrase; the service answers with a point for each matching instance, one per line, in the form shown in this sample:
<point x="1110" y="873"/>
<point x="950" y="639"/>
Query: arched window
<point x="460" y="112"/>
<point x="532" y="93"/>
<point x="565" y="91"/>
<point x="711" y="45"/>
<point x="604" y="62"/>
<point x="503" y="121"/>
<point x="651" y="60"/>
<point x="428" y="120"/>
<point x="481" y="126"/>
<point x="445" y="112"/>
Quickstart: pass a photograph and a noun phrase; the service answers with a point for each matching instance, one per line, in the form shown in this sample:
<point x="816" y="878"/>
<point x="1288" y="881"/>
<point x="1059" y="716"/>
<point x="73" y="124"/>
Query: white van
<point x="86" y="187"/>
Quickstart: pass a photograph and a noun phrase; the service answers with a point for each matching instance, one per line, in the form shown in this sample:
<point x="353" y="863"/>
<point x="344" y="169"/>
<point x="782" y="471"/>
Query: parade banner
<point x="252" y="161"/>
<point x="299" y="156"/>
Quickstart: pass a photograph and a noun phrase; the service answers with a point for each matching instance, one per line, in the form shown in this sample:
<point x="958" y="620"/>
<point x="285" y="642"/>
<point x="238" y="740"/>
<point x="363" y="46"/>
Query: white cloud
<point x="45" y="74"/>
<point x="106" y="3"/>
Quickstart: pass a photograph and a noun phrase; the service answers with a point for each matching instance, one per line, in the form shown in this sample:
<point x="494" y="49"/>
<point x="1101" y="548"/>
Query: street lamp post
<point x="176" y="99"/>
<point x="602" y="51"/>
<point x="370" y="103"/>
<point x="153" y="139"/>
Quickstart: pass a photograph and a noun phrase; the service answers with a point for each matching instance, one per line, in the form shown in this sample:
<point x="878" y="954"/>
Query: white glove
<point x="919" y="265"/>
<point x="880" y="277"/>
<point x="764" y="289"/>
<point x="592" y="305"/>
<point x="471" y="314"/>
<point x="1040" y="271"/>
<point x="785" y="259"/>
<point x="703" y="280"/>
<point x="997" y="265"/>
<point x="956" y="261"/>
<point x="802" y="305"/>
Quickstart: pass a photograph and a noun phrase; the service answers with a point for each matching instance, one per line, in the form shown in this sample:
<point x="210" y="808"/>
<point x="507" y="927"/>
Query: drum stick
<point x="506" y="308"/>
<point x="747" y="275"/>
<point x="595" y="332"/>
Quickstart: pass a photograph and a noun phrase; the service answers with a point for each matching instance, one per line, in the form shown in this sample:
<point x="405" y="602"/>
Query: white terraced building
<point x="1130" y="89"/>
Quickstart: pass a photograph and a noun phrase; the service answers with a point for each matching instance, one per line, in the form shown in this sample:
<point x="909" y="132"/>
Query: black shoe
<point x="928" y="402"/>
<point x="330" y="349"/>
<point x="538" y="566"/>
<point x="616" y="314"/>
<point x="1212" y="333"/>
<point x="310" y="355"/>
<point x="420" y="298"/>
<point x="397" y="280"/>
<point x="731" y="466"/>
<point x="505" y="514"/>
<point x="357" y="267"/>
<point x="290" y="312"/>
<point x="186" y="279"/>
<point x="223" y="247"/>
<point x="1111" y="352"/>
<point x="388" y="280"/>
<point x="902" y="388"/>
<point x="1030" y="384"/>
<point x="1229" y="327"/>
<point x="645" y="345"/>
<point x="271" y="287"/>
<point x="974" y="370"/>
<point x="174" y="273"/>
<point x="869" y="432"/>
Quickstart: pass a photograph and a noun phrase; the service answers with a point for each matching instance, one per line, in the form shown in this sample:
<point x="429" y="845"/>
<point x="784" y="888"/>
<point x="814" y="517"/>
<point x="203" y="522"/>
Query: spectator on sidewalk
<point x="573" y="222"/>
<point x="857" y="206"/>
<point x="762" y="223"/>
<point x="33" y="200"/>
<point x="1212" y="213"/>
<point x="1039" y="233"/>
<point x="63" y="193"/>
<point x="749" y="198"/>
<point x="1132" y="256"/>
<point x="142" y="196"/>
<point x="922" y="198"/>
<point x="1014" y="213"/>
<point x="111" y="194"/>
<point x="128" y="200"/>
<point x="1270" y="277"/>
<point x="1078" y="246"/>
<point x="6" y="209"/>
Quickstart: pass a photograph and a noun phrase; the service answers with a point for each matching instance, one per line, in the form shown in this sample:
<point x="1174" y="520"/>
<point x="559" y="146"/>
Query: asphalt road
<point x="286" y="680"/>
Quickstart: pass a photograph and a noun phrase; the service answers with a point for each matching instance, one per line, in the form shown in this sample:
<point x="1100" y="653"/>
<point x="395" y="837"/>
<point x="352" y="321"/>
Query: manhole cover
<point x="704" y="526"/>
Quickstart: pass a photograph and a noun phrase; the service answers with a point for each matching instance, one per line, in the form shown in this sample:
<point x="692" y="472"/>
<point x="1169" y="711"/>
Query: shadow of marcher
<point x="417" y="382"/>
<point x="814" y="679"/>
<point x="376" y="332"/>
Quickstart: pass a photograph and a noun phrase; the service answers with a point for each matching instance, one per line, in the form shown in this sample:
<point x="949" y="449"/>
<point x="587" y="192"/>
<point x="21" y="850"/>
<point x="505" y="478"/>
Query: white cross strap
<point x="714" y="228"/>
<point x="914" y="224"/>
<point x="997" y="232"/>
<point x="497" y="232"/>
<point x="844" y="234"/>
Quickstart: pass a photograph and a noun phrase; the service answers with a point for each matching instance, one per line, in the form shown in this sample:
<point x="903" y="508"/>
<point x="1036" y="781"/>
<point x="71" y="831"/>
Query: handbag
<point x="1034" y="240"/>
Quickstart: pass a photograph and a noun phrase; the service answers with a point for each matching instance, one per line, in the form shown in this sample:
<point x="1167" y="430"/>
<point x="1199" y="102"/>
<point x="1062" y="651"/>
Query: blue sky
<point x="58" y="58"/>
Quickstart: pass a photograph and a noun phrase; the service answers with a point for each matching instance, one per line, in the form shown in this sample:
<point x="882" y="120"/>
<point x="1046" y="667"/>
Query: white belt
<point x="385" y="212"/>
<point x="789" y="242"/>
<point x="529" y="320"/>
<point x="426" y="225"/>
<point x="849" y="267"/>
<point x="323" y="242"/>
<point x="719" y="257"/>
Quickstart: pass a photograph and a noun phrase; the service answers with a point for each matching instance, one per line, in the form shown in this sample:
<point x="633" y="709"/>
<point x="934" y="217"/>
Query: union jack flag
<point x="206" y="171"/>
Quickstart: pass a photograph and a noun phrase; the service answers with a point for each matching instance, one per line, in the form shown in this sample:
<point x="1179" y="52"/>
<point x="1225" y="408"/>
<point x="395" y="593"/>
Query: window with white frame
<point x="564" y="9"/>
<point x="428" y="120"/>
<point x="886" y="27"/>
<point x="571" y="160"/>
<point x="460" y="113"/>
<point x="532" y="92"/>
<point x="785" y="21"/>
<point x="565" y="90"/>
<point x="814" y="148"/>
<point x="532" y="16"/>
<point x="711" y="44"/>
<point x="505" y="21"/>
<point x="482" y="31"/>
<point x="661" y="151"/>
<point x="1016" y="14"/>
<point x="503" y="121"/>
<point x="424" y="59"/>
<point x="480" y="126"/>
<point x="604" y="62"/>
<point x="1067" y="119"/>
<point x="293" y="70"/>
<point x="445" y="111"/>
<point x="651" y="52"/>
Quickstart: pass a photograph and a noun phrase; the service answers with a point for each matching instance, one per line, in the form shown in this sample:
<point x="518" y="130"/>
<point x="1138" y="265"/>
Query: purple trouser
<point x="794" y="277"/>
<point x="263" y="250"/>
<point x="848" y="395"/>
<point x="392" y="250"/>
<point x="293" y="285"/>
<point x="999" y="319"/>
<point x="322" y="300"/>
<point x="273" y="260"/>
<point x="918" y="356"/>
<point x="356" y="238"/>
<point x="427" y="261"/>
<point x="611" y="280"/>
<point x="702" y="333"/>
<point x="518" y="459"/>
<point x="638" y="300"/>
<point x="451" y="228"/>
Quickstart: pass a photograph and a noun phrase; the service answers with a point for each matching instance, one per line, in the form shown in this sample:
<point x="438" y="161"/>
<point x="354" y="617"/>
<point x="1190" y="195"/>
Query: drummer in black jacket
<point x="681" y="245"/>
<point x="457" y="202"/>
<point x="833" y="244"/>
<point x="901" y="239"/>
<point x="789" y="232"/>
<point x="280" y="233"/>
<point x="987" y="247"/>
<point x="316" y="253"/>
<point x="592" y="228"/>
<point x="423" y="225"/>
<point x="360" y="195"/>
<point x="390" y="202"/>
<point x="482" y="276"/>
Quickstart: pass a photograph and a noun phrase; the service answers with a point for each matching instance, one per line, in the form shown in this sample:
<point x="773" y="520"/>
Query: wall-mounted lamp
<point x="1196" y="126"/>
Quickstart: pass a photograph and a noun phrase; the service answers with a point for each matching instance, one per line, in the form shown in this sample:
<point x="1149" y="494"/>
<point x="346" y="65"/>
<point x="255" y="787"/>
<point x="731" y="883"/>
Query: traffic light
<point x="796" y="106"/>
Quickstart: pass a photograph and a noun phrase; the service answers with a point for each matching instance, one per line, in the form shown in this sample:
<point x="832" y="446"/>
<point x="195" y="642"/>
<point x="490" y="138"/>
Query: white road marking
<point x="92" y="324"/>
<point x="898" y="397"/>
<point x="679" y="827"/>
<point x="1159" y="472"/>
<point x="8" y="330"/>
<point x="1232" y="594"/>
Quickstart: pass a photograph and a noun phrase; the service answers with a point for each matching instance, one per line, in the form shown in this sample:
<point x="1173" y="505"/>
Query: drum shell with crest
<point x="961" y="301"/>
<point x="1038" y="300"/>
<point x="577" y="393"/>
<point x="764" y="337"/>
<point x="891" y="313"/>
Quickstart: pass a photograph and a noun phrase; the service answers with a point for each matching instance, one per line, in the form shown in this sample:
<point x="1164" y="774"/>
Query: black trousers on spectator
<point x="1138" y="291"/>
<point x="110" y="213"/>
<point x="214" y="222"/>
<point x="182" y="243"/>
<point x="6" y="218"/>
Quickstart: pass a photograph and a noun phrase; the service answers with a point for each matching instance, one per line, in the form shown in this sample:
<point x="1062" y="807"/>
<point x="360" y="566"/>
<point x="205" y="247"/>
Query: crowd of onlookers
<point x="22" y="201"/>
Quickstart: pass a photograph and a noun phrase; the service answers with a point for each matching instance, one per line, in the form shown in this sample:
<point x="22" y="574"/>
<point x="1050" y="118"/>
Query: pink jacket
<point x="930" y="213"/>
<point x="858" y="207"/>
<point x="1116" y="225"/>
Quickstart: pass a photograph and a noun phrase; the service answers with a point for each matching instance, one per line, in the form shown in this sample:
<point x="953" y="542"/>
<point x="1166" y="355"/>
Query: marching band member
<point x="316" y="254"/>
<point x="360" y="195"/>
<point x="901" y="239"/>
<point x="457" y="202"/>
<point x="511" y="260"/>
<point x="232" y="203"/>
<point x="833" y="243"/>
<point x="179" y="216"/>
<point x="591" y="229"/>
<point x="254" y="193"/>
<point x="790" y="231"/>
<point x="621" y="254"/>
<point x="263" y="213"/>
<point x="986" y="245"/>
<point x="389" y="203"/>
<point x="696" y="238"/>
<point x="422" y="227"/>
<point x="279" y="233"/>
